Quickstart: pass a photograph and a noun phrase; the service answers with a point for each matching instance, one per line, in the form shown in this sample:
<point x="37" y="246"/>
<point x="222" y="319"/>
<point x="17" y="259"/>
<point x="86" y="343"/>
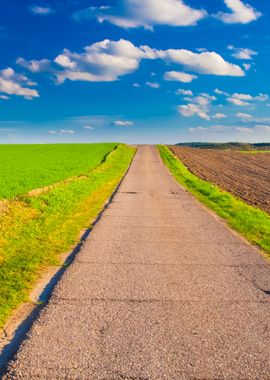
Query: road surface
<point x="162" y="289"/>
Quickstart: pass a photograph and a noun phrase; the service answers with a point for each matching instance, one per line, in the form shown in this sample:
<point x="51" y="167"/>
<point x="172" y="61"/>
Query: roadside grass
<point x="35" y="230"/>
<point x="252" y="223"/>
<point x="254" y="151"/>
<point x="27" y="167"/>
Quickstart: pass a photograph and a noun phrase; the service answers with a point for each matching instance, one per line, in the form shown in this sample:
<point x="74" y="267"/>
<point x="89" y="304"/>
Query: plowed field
<point x="245" y="175"/>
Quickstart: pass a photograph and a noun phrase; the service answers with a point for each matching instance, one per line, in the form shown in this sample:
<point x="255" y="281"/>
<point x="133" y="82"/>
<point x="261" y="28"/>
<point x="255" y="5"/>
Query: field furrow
<point x="247" y="176"/>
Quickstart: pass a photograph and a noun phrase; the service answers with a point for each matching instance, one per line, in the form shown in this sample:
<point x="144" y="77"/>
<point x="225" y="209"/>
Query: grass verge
<point x="252" y="223"/>
<point x="34" y="230"/>
<point x="254" y="151"/>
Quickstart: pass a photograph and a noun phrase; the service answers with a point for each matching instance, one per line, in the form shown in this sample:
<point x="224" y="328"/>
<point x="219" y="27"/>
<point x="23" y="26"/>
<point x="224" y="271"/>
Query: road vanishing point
<point x="162" y="289"/>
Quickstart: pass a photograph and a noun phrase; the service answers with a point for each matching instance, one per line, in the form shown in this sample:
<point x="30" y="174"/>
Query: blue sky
<point x="137" y="71"/>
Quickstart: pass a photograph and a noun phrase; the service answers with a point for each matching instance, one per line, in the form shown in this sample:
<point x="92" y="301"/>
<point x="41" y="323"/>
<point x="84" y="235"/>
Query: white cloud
<point x="202" y="63"/>
<point x="179" y="76"/>
<point x="242" y="53"/>
<point x="257" y="128"/>
<point x="107" y="61"/>
<point x="137" y="85"/>
<point x="88" y="127"/>
<point x="207" y="96"/>
<point x="34" y="65"/>
<point x="261" y="97"/>
<point x="4" y="97"/>
<point x="12" y="83"/>
<point x="247" y="66"/>
<point x="123" y="123"/>
<point x="145" y="13"/>
<point x="242" y="96"/>
<point x="201" y="50"/>
<point x="220" y="92"/>
<point x="182" y="91"/>
<point x="198" y="129"/>
<point x="239" y="99"/>
<point x="101" y="62"/>
<point x="67" y="131"/>
<point x="89" y="13"/>
<point x="237" y="102"/>
<point x="62" y="132"/>
<point x="153" y="84"/>
<point x="192" y="109"/>
<point x="199" y="106"/>
<point x="41" y="10"/>
<point x="212" y="128"/>
<point x="219" y="116"/>
<point x="244" y="99"/>
<point x="244" y="116"/>
<point x="240" y="13"/>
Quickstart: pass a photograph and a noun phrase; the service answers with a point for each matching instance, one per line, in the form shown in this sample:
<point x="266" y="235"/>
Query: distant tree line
<point x="229" y="145"/>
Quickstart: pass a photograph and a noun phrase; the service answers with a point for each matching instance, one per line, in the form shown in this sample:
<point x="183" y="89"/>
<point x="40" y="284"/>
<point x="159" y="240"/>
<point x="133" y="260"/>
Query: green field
<point x="36" y="228"/>
<point x="27" y="167"/>
<point x="251" y="222"/>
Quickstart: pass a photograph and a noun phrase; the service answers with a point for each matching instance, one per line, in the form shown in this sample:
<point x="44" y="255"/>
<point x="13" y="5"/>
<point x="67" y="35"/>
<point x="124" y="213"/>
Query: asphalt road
<point x="162" y="289"/>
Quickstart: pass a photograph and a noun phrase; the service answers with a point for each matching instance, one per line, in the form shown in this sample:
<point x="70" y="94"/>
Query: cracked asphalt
<point x="161" y="289"/>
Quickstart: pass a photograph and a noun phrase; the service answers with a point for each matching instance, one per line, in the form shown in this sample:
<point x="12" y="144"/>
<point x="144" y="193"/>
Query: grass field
<point x="251" y="222"/>
<point x="254" y="151"/>
<point x="27" y="167"/>
<point x="35" y="229"/>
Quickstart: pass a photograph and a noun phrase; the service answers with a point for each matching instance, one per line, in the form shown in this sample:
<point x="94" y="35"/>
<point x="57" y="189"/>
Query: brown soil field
<point x="247" y="176"/>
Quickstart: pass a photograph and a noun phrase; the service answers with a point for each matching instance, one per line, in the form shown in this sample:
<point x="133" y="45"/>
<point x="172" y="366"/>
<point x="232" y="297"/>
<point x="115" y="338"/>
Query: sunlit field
<point x="27" y="167"/>
<point x="50" y="194"/>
